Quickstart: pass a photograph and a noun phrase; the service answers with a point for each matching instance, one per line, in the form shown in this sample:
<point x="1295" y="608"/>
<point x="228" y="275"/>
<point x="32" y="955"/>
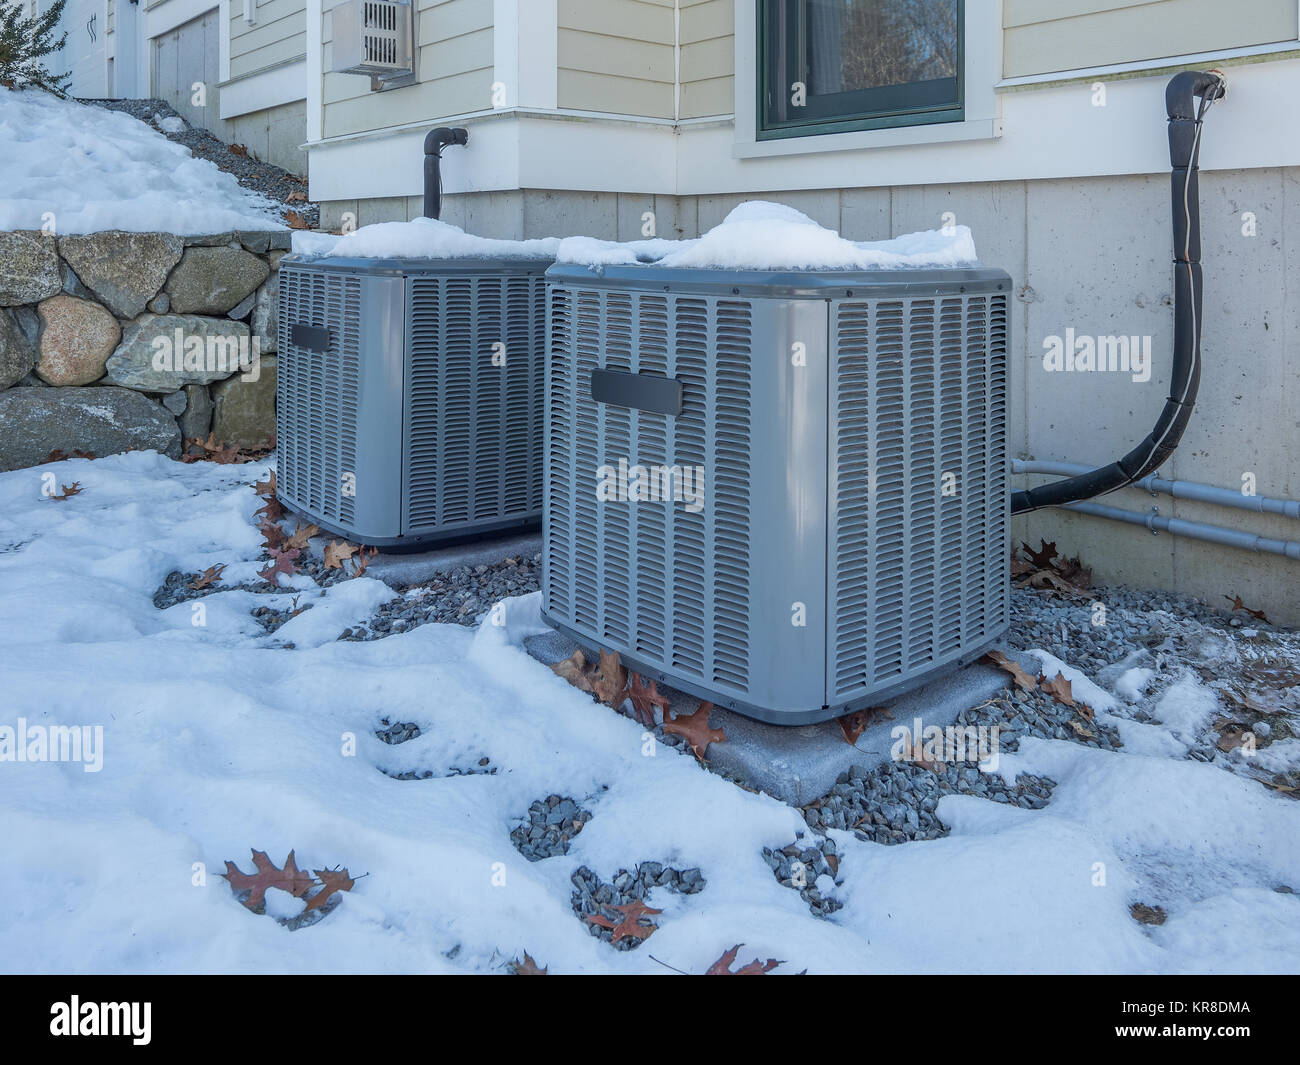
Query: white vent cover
<point x="372" y="37"/>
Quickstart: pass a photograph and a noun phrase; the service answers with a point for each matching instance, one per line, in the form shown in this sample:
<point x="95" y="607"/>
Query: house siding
<point x="708" y="59"/>
<point x="617" y="56"/>
<point x="454" y="61"/>
<point x="279" y="35"/>
<point x="1044" y="36"/>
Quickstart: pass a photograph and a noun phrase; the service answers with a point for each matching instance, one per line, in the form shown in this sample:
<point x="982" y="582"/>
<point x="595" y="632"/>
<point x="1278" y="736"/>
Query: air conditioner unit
<point x="786" y="493"/>
<point x="409" y="396"/>
<point x="372" y="37"/>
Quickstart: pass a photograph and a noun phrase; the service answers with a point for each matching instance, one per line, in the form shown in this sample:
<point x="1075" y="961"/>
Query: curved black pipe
<point x="434" y="143"/>
<point x="1185" y="119"/>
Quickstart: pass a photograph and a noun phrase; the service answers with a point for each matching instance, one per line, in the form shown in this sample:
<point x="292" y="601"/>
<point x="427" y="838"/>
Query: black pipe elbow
<point x="434" y="142"/>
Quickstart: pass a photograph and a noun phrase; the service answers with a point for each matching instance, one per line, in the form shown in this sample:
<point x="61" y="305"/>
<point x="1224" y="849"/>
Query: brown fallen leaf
<point x="527" y="967"/>
<point x="1145" y="914"/>
<point x="1047" y="578"/>
<point x="1041" y="558"/>
<point x="207" y="577"/>
<point x="265" y="488"/>
<point x="1237" y="604"/>
<point x="645" y="697"/>
<point x="1060" y="689"/>
<point x="574" y="669"/>
<point x="271" y="510"/>
<point x="854" y="724"/>
<point x="362" y="561"/>
<point x="338" y="552"/>
<point x="1081" y="731"/>
<point x="296" y="221"/>
<point x="696" y="731"/>
<point x="297" y="196"/>
<point x="300" y="536"/>
<point x="239" y="149"/>
<point x="1023" y="680"/>
<point x="609" y="680"/>
<point x="630" y="927"/>
<point x="272" y="535"/>
<point x="332" y="881"/>
<point x="69" y="490"/>
<point x="282" y="561"/>
<point x="291" y="879"/>
<point x="722" y="967"/>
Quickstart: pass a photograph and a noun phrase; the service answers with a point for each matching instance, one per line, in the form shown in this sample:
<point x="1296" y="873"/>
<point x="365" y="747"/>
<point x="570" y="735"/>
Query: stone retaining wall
<point x="116" y="341"/>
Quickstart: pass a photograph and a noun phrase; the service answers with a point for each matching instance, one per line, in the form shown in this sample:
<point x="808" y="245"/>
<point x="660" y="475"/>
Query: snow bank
<point x="217" y="738"/>
<point x="84" y="169"/>
<point x="759" y="235"/>
<point x="424" y="238"/>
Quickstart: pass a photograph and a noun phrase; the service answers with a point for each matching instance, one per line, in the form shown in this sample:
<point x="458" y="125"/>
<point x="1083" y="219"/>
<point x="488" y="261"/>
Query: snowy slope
<point x="217" y="740"/>
<point x="83" y="169"/>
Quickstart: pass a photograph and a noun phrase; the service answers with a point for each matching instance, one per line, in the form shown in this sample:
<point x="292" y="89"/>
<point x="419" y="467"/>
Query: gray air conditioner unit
<point x="372" y="37"/>
<point x="783" y="492"/>
<point x="408" y="397"/>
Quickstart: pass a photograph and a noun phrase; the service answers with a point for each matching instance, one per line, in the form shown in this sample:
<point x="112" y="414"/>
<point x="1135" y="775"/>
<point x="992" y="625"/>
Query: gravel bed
<point x="395" y="733"/>
<point x="591" y="895"/>
<point x="271" y="181"/>
<point x="811" y="869"/>
<point x="550" y="825"/>
<point x="460" y="596"/>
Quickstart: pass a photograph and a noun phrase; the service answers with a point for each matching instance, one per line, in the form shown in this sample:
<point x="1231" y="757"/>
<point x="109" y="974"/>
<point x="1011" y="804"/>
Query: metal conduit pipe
<point x="1190" y="490"/>
<point x="1194" y="529"/>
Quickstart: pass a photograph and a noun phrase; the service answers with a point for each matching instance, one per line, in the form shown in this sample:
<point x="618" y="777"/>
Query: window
<point x="827" y="66"/>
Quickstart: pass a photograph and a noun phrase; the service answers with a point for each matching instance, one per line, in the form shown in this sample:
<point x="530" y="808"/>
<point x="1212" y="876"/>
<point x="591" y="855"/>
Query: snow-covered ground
<point x="81" y="169"/>
<point x="217" y="739"/>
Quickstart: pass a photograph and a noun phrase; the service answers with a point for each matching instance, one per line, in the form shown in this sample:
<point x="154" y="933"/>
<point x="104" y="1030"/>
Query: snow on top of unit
<point x="423" y="238"/>
<point x="759" y="235"/>
<point x="84" y="169"/>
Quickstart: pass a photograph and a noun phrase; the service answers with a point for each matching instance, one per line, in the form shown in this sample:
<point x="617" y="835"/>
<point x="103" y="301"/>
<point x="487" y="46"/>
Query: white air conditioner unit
<point x="373" y="37"/>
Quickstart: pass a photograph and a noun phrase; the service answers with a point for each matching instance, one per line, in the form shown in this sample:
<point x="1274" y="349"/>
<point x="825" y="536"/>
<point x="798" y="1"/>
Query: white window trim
<point x="983" y="121"/>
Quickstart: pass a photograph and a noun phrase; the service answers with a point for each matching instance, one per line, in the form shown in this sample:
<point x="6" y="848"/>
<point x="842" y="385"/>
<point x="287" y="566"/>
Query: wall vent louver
<point x="372" y="37"/>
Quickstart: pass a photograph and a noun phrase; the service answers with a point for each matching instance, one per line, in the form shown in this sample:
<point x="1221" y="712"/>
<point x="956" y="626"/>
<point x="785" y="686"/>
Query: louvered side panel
<point x="317" y="393"/>
<point x="559" y="566"/>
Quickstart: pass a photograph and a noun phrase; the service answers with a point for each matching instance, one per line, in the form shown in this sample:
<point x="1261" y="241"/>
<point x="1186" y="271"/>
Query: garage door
<point x="188" y="54"/>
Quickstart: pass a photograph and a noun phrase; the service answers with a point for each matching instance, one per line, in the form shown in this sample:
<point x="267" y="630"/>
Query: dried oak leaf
<point x="1023" y="680"/>
<point x="854" y="724"/>
<point x="1041" y="558"/>
<point x="630" y="927"/>
<point x="1145" y="914"/>
<point x="291" y="879"/>
<point x="69" y="490"/>
<point x="1048" y="578"/>
<point x="296" y="220"/>
<point x="282" y="561"/>
<point x="722" y="967"/>
<point x="527" y="967"/>
<point x="609" y="680"/>
<point x="266" y="488"/>
<point x="297" y="196"/>
<point x="272" y="534"/>
<point x="239" y="149"/>
<point x="338" y="552"/>
<point x="271" y="510"/>
<point x="645" y="697"/>
<point x="209" y="576"/>
<point x="1237" y="604"/>
<point x="363" y="560"/>
<point x="1060" y="689"/>
<point x="332" y="880"/>
<point x="696" y="731"/>
<point x="301" y="535"/>
<point x="574" y="669"/>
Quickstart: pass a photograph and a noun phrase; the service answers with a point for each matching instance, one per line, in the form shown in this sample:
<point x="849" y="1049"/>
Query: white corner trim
<point x="538" y="61"/>
<point x="283" y="84"/>
<point x="315" y="71"/>
<point x="223" y="38"/>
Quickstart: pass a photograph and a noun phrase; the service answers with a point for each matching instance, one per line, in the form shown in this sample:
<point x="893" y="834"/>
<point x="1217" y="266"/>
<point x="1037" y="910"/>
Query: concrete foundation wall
<point x="273" y="135"/>
<point x="1090" y="255"/>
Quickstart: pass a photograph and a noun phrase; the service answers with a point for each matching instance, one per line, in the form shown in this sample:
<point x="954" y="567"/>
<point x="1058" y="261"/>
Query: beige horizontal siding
<point x="708" y="58"/>
<point x="1043" y="36"/>
<point x="278" y="35"/>
<point x="454" y="62"/>
<point x="618" y="56"/>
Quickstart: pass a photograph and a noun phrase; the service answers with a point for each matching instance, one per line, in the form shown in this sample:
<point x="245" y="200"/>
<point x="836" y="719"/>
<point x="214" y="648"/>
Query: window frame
<point x="773" y="14"/>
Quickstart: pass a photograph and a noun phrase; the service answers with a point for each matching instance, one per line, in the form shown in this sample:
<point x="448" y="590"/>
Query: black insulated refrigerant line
<point x="434" y="143"/>
<point x="1185" y="119"/>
